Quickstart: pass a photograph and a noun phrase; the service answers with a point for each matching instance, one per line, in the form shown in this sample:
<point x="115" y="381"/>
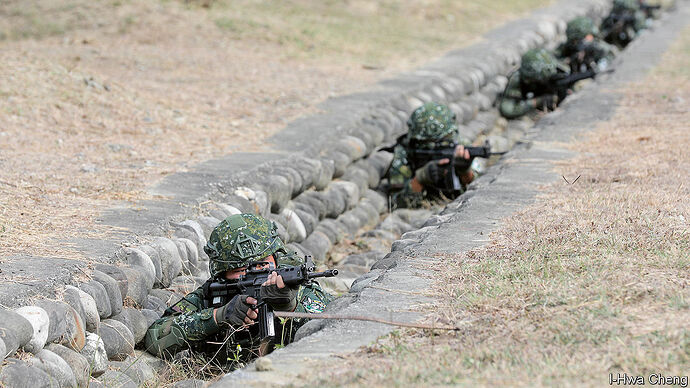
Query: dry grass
<point x="99" y="99"/>
<point x="593" y="279"/>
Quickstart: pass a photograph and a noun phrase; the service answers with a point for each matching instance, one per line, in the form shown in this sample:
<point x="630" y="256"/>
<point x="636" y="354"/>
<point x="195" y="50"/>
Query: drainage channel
<point x="325" y="205"/>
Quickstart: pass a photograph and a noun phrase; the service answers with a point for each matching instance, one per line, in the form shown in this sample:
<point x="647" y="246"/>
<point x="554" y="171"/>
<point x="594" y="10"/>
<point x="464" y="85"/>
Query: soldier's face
<point x="235" y="274"/>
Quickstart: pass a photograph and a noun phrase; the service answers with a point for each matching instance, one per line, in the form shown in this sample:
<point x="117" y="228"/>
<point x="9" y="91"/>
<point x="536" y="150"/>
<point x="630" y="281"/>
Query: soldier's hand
<point x="239" y="312"/>
<point x="277" y="295"/>
<point x="462" y="153"/>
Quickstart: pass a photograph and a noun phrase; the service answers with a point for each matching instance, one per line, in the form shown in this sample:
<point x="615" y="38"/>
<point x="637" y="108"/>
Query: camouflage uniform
<point x="623" y="23"/>
<point x="583" y="55"/>
<point x="434" y="125"/>
<point x="190" y="323"/>
<point x="528" y="88"/>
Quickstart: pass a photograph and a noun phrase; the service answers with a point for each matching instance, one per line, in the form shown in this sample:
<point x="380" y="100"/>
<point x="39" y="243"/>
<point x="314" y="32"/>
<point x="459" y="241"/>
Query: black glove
<point x="432" y="175"/>
<point x="547" y="102"/>
<point x="280" y="299"/>
<point x="234" y="312"/>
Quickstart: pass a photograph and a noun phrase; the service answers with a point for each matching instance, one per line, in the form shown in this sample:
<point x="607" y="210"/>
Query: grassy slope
<point x="593" y="279"/>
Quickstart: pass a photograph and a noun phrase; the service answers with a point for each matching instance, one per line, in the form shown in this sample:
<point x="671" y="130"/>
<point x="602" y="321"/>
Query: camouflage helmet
<point x="240" y="239"/>
<point x="625" y="5"/>
<point x="538" y="65"/>
<point x="579" y="28"/>
<point x="431" y="122"/>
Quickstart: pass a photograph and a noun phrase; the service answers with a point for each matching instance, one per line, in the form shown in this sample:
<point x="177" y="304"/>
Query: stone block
<point x="135" y="321"/>
<point x="351" y="191"/>
<point x="329" y="228"/>
<point x="152" y="253"/>
<point x="191" y="266"/>
<point x="325" y="174"/>
<point x="117" y="274"/>
<point x="141" y="373"/>
<point x="9" y="341"/>
<point x="207" y="224"/>
<point x="137" y="257"/>
<point x="19" y="374"/>
<point x="319" y="244"/>
<point x="138" y="285"/>
<point x="340" y="163"/>
<point x="295" y="227"/>
<point x="358" y="176"/>
<point x="95" y="354"/>
<point x="336" y="201"/>
<point x="308" y="220"/>
<point x="90" y="307"/>
<point x="192" y="230"/>
<point x="111" y="289"/>
<point x="150" y="315"/>
<point x="117" y="338"/>
<point x="155" y="304"/>
<point x="54" y="366"/>
<point x="17" y="323"/>
<point x="171" y="262"/>
<point x="78" y="364"/>
<point x="191" y="383"/>
<point x="115" y="379"/>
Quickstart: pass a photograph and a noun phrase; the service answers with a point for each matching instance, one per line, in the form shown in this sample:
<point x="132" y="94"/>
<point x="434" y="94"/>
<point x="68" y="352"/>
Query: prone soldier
<point x="533" y="86"/>
<point x="223" y="323"/>
<point x="430" y="160"/>
<point x="583" y="49"/>
<point x="624" y="22"/>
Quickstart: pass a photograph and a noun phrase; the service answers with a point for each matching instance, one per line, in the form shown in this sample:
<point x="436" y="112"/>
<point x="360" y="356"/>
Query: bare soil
<point x="100" y="99"/>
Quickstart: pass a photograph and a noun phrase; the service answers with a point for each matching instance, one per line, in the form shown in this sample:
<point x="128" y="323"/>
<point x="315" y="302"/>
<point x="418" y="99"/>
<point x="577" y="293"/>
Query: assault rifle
<point x="221" y="292"/>
<point x="648" y="9"/>
<point x="449" y="182"/>
<point x="560" y="83"/>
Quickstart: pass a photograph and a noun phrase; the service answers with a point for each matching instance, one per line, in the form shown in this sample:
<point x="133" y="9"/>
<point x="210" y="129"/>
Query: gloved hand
<point x="547" y="102"/>
<point x="277" y="294"/>
<point x="238" y="311"/>
<point x="431" y="174"/>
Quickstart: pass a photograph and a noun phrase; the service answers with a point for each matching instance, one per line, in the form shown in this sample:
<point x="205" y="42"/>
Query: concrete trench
<point x="317" y="198"/>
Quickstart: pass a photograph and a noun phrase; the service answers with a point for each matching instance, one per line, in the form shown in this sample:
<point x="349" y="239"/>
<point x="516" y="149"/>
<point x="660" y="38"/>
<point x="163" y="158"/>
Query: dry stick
<point x="287" y="314"/>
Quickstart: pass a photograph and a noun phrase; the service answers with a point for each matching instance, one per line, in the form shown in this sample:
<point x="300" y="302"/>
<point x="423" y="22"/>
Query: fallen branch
<point x="287" y="314"/>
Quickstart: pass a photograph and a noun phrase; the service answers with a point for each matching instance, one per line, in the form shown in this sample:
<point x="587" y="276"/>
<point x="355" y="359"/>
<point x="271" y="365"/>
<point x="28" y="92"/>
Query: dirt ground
<point x="592" y="279"/>
<point x="98" y="100"/>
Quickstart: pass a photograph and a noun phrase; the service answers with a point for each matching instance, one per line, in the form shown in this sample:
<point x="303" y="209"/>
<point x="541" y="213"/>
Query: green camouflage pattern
<point x="582" y="56"/>
<point x="625" y="5"/>
<point x="623" y="24"/>
<point x="240" y="239"/>
<point x="537" y="65"/>
<point x="526" y="88"/>
<point x="579" y="28"/>
<point x="189" y="325"/>
<point x="400" y="174"/>
<point x="431" y="122"/>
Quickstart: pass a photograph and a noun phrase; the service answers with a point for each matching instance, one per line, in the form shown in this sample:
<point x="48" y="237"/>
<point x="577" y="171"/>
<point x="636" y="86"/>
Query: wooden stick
<point x="288" y="314"/>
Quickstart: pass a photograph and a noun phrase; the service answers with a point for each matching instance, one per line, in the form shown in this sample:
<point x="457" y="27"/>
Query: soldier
<point x="623" y="23"/>
<point x="533" y="86"/>
<point x="583" y="50"/>
<point x="227" y="331"/>
<point x="411" y="178"/>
